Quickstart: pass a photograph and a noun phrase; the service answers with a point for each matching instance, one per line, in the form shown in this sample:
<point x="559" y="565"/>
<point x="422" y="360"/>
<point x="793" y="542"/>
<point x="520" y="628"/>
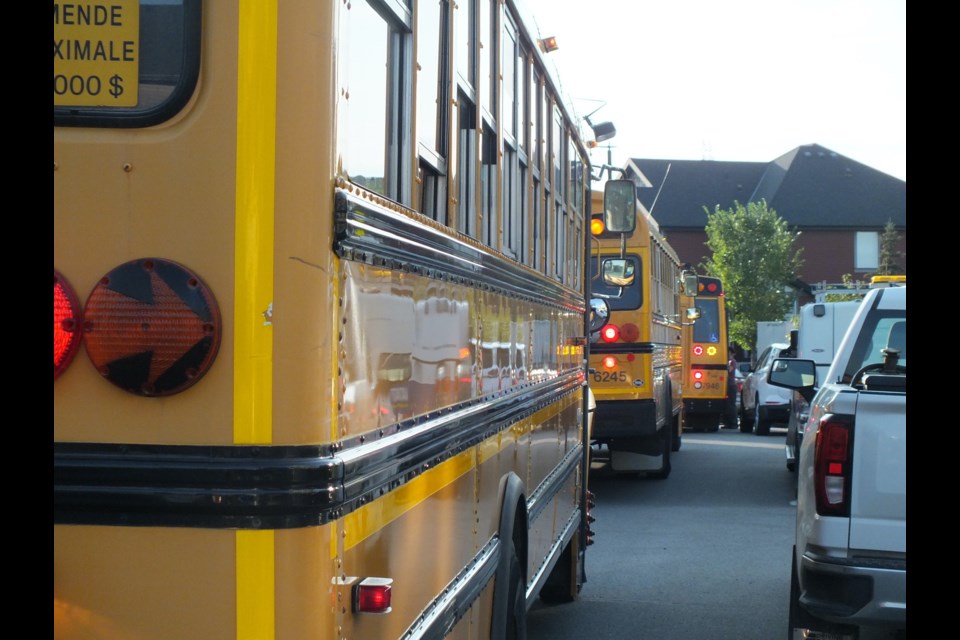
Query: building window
<point x="867" y="251"/>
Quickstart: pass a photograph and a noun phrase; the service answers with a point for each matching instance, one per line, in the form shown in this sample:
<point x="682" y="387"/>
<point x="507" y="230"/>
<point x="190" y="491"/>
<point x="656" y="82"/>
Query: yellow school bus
<point x="705" y="358"/>
<point x="635" y="359"/>
<point x="319" y="321"/>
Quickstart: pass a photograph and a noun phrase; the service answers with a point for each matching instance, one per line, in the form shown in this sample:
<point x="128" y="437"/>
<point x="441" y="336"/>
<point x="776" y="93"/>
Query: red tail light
<point x="832" y="466"/>
<point x="698" y="349"/>
<point x="610" y="333"/>
<point x="698" y="375"/>
<point x="373" y="595"/>
<point x="67" y="326"/>
<point x="630" y="332"/>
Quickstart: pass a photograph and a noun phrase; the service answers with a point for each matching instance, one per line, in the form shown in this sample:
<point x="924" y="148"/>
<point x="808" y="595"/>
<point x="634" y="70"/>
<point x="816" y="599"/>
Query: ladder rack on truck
<point x="830" y="292"/>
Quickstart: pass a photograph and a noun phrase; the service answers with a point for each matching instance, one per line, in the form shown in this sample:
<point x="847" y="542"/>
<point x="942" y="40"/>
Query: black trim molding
<point x="275" y="487"/>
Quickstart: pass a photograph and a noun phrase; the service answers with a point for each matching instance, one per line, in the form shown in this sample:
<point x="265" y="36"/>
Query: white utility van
<point x="822" y="325"/>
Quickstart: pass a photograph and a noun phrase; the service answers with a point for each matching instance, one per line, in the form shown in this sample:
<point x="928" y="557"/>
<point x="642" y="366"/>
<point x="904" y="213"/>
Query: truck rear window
<point x="882" y="329"/>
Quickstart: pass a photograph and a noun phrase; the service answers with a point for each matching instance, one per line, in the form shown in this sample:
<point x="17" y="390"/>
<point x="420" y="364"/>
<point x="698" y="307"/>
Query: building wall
<point x="827" y="255"/>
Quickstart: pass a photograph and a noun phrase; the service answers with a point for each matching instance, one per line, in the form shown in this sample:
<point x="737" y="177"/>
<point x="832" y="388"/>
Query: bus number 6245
<point x="610" y="376"/>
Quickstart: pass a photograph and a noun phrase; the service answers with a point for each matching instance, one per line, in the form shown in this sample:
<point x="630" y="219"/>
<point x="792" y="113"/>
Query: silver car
<point x="762" y="404"/>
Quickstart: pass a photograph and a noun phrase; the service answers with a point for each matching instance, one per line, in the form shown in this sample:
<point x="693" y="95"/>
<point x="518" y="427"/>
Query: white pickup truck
<point x="850" y="556"/>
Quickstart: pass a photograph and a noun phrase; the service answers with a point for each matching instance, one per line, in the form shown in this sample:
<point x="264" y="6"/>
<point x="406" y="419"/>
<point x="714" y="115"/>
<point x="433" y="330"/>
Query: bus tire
<point x="677" y="433"/>
<point x="516" y="622"/>
<point x="509" y="616"/>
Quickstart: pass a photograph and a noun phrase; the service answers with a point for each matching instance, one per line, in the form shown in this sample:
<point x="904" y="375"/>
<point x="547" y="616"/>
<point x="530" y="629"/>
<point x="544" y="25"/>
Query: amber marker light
<point x="67" y="325"/>
<point x="152" y="327"/>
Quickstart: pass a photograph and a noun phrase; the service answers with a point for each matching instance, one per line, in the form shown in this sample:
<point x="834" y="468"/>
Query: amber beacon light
<point x="67" y="327"/>
<point x="152" y="327"/>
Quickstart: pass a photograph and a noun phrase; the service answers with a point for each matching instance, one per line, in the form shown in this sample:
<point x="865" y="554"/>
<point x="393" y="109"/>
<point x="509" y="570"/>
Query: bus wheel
<point x="517" y="613"/>
<point x="677" y="434"/>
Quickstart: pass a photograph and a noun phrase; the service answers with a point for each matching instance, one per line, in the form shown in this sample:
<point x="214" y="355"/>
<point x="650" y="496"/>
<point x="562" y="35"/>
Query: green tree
<point x="889" y="254"/>
<point x="755" y="258"/>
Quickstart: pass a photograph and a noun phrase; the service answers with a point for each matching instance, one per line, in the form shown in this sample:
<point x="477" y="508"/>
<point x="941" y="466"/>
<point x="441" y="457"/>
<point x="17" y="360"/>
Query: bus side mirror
<point x="620" y="206"/>
<point x="693" y="314"/>
<point x="599" y="313"/>
<point x="618" y="272"/>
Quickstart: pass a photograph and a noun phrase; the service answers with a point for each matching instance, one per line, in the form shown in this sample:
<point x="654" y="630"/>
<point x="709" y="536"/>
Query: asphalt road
<point x="702" y="554"/>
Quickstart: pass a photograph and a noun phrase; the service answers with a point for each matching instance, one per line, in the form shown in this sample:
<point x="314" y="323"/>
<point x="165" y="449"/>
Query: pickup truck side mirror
<point x="790" y="373"/>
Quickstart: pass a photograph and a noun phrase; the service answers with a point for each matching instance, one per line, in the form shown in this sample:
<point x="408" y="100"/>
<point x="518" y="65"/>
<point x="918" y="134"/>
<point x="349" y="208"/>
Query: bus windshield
<point x="707" y="326"/>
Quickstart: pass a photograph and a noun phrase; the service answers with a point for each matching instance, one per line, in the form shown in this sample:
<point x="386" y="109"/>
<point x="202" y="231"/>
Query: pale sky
<point x="736" y="80"/>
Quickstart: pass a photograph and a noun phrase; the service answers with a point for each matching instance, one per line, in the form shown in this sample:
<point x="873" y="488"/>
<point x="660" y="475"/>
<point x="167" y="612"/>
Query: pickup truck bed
<point x="850" y="556"/>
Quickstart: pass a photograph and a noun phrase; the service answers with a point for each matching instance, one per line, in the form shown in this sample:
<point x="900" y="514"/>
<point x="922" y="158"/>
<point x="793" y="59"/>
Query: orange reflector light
<point x="596" y="226"/>
<point x="609" y="362"/>
<point x="711" y="350"/>
<point x="630" y="332"/>
<point x="610" y="333"/>
<point x="67" y="326"/>
<point x="152" y="327"/>
<point x="372" y="595"/>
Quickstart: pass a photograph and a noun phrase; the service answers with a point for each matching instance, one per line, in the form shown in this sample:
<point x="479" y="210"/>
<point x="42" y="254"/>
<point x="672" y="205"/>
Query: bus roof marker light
<point x="152" y="327"/>
<point x="548" y="44"/>
<point x="67" y="324"/>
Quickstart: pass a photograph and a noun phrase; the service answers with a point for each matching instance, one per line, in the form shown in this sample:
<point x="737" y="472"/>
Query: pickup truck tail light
<point x="832" y="465"/>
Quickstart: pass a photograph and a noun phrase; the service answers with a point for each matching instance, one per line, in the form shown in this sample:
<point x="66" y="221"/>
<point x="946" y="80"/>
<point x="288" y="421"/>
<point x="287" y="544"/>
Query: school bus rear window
<point x="123" y="63"/>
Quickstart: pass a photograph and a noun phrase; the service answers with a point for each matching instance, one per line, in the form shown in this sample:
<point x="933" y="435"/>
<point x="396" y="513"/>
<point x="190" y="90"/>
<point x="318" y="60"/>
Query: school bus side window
<point x="124" y="64"/>
<point x="376" y="71"/>
<point x="433" y="46"/>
